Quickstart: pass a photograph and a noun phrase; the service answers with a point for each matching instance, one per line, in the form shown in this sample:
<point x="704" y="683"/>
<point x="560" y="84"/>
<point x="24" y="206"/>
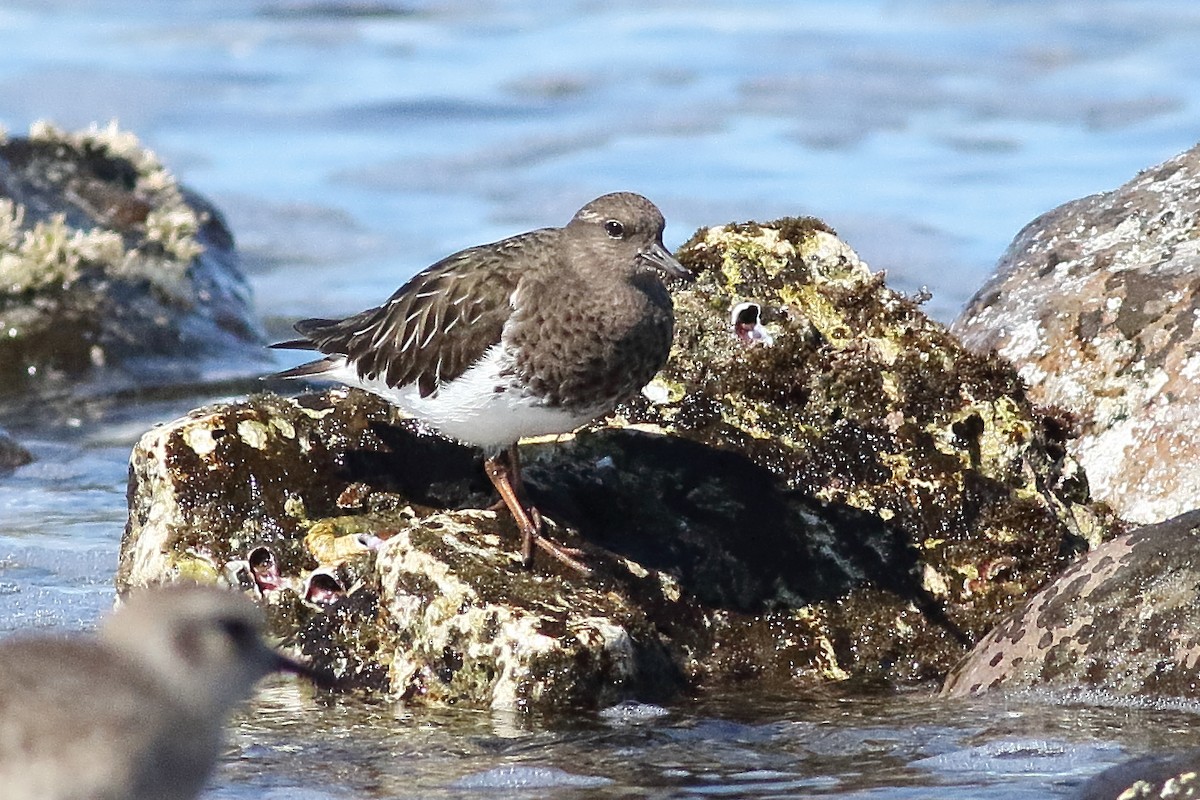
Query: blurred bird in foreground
<point x="136" y="712"/>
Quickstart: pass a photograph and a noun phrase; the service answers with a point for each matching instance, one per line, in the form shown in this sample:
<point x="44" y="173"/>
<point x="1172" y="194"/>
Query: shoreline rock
<point x="1172" y="775"/>
<point x="111" y="274"/>
<point x="12" y="453"/>
<point x="1096" y="302"/>
<point x="1121" y="619"/>
<point x="821" y="486"/>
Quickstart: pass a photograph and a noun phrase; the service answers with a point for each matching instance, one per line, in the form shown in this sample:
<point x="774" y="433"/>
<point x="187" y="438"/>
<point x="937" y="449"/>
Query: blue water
<point x="352" y="149"/>
<point x="350" y="144"/>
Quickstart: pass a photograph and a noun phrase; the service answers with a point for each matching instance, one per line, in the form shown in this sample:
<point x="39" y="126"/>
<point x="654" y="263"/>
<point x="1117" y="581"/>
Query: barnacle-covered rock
<point x="821" y="486"/>
<point x="1173" y="776"/>
<point x="862" y="401"/>
<point x="110" y="271"/>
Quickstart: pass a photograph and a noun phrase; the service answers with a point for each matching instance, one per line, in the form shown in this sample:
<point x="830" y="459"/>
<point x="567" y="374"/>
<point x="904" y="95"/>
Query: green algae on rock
<point x="828" y="489"/>
<point x="863" y="401"/>
<point x="107" y="262"/>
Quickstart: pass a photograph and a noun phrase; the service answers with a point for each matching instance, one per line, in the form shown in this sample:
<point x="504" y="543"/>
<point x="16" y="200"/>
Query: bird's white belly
<point x="480" y="407"/>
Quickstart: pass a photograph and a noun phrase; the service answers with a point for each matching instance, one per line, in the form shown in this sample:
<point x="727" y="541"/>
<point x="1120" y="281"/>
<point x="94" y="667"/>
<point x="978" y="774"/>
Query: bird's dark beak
<point x="290" y="665"/>
<point x="657" y="256"/>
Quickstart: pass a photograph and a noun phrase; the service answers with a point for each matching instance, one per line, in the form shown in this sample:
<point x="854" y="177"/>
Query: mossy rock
<point x="862" y="401"/>
<point x="852" y="501"/>
<point x="110" y="271"/>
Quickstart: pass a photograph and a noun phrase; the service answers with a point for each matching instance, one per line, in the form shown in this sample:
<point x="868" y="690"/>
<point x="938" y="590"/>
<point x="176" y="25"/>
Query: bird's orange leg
<point x="504" y="471"/>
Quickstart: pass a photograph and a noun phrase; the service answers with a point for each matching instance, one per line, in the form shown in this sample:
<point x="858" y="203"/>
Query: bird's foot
<point x="504" y="471"/>
<point x="532" y="535"/>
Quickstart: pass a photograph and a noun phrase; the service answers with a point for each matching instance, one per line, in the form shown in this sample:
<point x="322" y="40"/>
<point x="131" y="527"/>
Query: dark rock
<point x="12" y="454"/>
<point x="1171" y="777"/>
<point x="111" y="274"/>
<point x="1121" y="619"/>
<point x="1096" y="303"/>
<point x="846" y="494"/>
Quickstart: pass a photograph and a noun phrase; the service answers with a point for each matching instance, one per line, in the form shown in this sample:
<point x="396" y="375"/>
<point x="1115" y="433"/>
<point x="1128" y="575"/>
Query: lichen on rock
<point x="863" y="401"/>
<point x="845" y="495"/>
<point x="106" y="263"/>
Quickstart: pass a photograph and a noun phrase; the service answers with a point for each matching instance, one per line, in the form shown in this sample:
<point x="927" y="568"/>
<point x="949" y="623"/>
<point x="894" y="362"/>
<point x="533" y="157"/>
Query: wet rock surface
<point x="111" y="274"/>
<point x="1096" y="303"/>
<point x="12" y="453"/>
<point x="1175" y="776"/>
<point x="821" y="486"/>
<point x="1121" y="619"/>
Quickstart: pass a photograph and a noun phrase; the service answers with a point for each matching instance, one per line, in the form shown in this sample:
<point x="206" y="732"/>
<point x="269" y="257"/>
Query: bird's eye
<point x="614" y="229"/>
<point x="239" y="631"/>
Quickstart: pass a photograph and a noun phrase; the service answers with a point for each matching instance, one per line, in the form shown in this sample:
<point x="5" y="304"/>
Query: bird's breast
<point x="593" y="347"/>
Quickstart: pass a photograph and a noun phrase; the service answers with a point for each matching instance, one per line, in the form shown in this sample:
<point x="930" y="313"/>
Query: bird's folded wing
<point x="434" y="327"/>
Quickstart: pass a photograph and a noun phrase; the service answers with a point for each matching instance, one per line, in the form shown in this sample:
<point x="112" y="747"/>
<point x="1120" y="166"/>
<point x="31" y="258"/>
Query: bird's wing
<point x="436" y="325"/>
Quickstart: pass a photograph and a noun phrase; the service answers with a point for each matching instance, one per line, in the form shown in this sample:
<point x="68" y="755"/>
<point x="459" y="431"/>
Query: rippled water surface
<point x="351" y="143"/>
<point x="729" y="746"/>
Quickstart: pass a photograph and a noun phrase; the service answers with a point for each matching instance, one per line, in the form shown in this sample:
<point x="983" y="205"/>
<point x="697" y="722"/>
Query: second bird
<point x="533" y="335"/>
<point x="136" y="713"/>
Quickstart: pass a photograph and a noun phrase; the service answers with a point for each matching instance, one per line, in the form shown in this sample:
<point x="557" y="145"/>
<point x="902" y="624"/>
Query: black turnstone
<point x="533" y="335"/>
<point x="136" y="712"/>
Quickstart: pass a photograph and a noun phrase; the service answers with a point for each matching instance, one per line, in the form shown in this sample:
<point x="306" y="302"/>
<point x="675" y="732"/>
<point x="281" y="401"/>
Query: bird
<point x="136" y="711"/>
<point x="533" y="335"/>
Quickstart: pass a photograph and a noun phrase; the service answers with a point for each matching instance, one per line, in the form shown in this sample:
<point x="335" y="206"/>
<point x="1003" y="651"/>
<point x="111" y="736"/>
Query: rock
<point x="1096" y="303"/>
<point x="1121" y="619"/>
<point x="862" y="401"/>
<point x="12" y="453"/>
<point x="111" y="274"/>
<point x="821" y="486"/>
<point x="1175" y="776"/>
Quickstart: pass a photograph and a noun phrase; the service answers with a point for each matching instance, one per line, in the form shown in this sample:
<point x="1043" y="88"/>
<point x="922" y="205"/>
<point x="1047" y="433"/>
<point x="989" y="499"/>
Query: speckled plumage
<point x="581" y="318"/>
<point x="535" y="334"/>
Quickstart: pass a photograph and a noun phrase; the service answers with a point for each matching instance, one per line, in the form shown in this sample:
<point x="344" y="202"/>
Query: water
<point x="727" y="747"/>
<point x="352" y="143"/>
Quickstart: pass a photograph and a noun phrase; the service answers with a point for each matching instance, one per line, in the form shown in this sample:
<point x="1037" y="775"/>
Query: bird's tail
<point x="313" y="369"/>
<point x="294" y="344"/>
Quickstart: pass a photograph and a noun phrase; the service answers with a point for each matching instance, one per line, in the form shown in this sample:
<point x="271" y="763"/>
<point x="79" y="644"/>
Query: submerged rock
<point x="822" y="485"/>
<point x="1121" y="619"/>
<point x="1173" y="776"/>
<point x="110" y="272"/>
<point x="1096" y="303"/>
<point x="12" y="453"/>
